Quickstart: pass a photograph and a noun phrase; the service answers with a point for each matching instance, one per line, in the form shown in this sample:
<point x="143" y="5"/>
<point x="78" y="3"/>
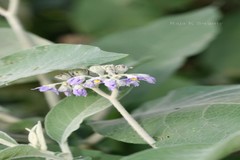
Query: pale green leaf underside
<point x="4" y="139"/>
<point x="69" y="113"/>
<point x="9" y="43"/>
<point x="192" y="151"/>
<point x="22" y="151"/>
<point x="48" y="58"/>
<point x="163" y="45"/>
<point x="67" y="116"/>
<point x="194" y="115"/>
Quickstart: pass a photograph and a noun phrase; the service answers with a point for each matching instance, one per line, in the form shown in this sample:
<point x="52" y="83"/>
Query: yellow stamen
<point x="97" y="81"/>
<point x="134" y="79"/>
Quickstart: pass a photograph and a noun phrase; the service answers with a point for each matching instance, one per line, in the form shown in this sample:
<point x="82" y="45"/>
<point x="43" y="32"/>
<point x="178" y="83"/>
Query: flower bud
<point x="97" y="69"/>
<point x="110" y="69"/>
<point x="63" y="76"/>
<point x="36" y="138"/>
<point x="120" y="69"/>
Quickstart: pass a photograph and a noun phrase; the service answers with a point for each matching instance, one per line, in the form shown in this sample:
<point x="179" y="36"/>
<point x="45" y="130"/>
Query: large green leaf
<point x="48" y="58"/>
<point x="162" y="46"/>
<point x="107" y="16"/>
<point x="6" y="139"/>
<point x="223" y="56"/>
<point x="97" y="155"/>
<point x="9" y="42"/>
<point x="22" y="151"/>
<point x="67" y="116"/>
<point x="191" y="151"/>
<point x="69" y="113"/>
<point x="194" y="115"/>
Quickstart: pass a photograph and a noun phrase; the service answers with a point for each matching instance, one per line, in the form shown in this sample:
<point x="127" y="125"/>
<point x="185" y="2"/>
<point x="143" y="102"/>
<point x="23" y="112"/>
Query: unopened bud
<point x="36" y="138"/>
<point x="97" y="69"/>
<point x="110" y="69"/>
<point x="120" y="69"/>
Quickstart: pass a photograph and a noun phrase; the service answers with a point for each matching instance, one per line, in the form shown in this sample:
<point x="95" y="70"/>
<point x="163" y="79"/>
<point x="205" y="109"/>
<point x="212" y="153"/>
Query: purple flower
<point x="130" y="80"/>
<point x="45" y="88"/>
<point x="146" y="77"/>
<point x="93" y="82"/>
<point x="66" y="89"/>
<point x="76" y="80"/>
<point x="79" y="91"/>
<point x="110" y="83"/>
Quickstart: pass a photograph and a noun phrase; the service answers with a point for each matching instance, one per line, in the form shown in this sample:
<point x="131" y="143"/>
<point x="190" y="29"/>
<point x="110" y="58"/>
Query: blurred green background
<point x="89" y="21"/>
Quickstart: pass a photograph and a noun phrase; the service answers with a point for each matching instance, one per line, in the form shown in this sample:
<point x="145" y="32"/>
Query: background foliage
<point x="182" y="43"/>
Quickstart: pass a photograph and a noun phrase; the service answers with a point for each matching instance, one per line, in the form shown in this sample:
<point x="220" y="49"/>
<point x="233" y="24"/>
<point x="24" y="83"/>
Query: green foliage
<point x="195" y="115"/>
<point x="6" y="139"/>
<point x="96" y="155"/>
<point x="151" y="48"/>
<point x="163" y="39"/>
<point x="44" y="59"/>
<point x="225" y="50"/>
<point x="106" y="16"/>
<point x="60" y="124"/>
<point x="10" y="45"/>
<point x="21" y="151"/>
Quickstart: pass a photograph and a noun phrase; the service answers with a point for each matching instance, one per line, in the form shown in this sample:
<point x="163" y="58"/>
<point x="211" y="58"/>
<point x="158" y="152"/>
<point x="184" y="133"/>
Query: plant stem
<point x="8" y="118"/>
<point x="26" y="43"/>
<point x="131" y="121"/>
<point x="65" y="149"/>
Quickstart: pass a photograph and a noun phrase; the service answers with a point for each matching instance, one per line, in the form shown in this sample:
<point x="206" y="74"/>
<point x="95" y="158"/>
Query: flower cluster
<point x="112" y="76"/>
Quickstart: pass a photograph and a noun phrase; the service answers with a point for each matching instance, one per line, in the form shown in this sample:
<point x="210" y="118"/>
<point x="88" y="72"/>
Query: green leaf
<point x="69" y="113"/>
<point x="194" y="115"/>
<point x="22" y="151"/>
<point x="6" y="139"/>
<point x="191" y="151"/>
<point x="112" y="15"/>
<point x="9" y="43"/>
<point x="222" y="56"/>
<point x="118" y="15"/>
<point x="67" y="116"/>
<point x="161" y="47"/>
<point x="97" y="155"/>
<point x="48" y="58"/>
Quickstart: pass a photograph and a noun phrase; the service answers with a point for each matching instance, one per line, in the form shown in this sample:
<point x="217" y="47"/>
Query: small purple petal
<point x="68" y="93"/>
<point x="128" y="82"/>
<point x="47" y="88"/>
<point x="147" y="78"/>
<point x="76" y="80"/>
<point x="66" y="89"/>
<point x="110" y="83"/>
<point x="93" y="82"/>
<point x="89" y="84"/>
<point x="79" y="91"/>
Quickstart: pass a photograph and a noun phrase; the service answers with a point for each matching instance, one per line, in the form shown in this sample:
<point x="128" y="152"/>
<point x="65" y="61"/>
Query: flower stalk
<point x="131" y="121"/>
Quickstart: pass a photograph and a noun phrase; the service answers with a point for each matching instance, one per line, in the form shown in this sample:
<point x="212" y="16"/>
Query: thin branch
<point x="3" y="12"/>
<point x="65" y="149"/>
<point x="8" y="118"/>
<point x="13" y="6"/>
<point x="101" y="93"/>
<point x="131" y="121"/>
<point x="93" y="139"/>
<point x="26" y="43"/>
<point x="114" y="93"/>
